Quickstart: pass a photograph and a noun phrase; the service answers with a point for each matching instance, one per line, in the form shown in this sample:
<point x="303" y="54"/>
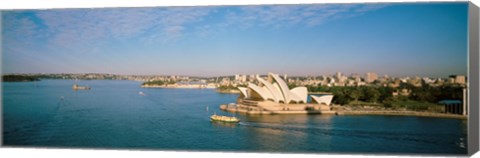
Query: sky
<point x="409" y="39"/>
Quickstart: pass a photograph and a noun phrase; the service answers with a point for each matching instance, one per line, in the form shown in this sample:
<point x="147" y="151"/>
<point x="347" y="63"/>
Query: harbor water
<point x="119" y="114"/>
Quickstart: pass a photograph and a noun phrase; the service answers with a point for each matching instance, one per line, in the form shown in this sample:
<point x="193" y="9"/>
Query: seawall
<point x="176" y="86"/>
<point x="323" y="109"/>
<point x="402" y="113"/>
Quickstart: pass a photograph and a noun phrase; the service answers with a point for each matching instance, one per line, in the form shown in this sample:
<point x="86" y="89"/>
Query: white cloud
<point x="288" y="15"/>
<point x="371" y="7"/>
<point x="85" y="30"/>
<point x="20" y="29"/>
<point x="96" y="27"/>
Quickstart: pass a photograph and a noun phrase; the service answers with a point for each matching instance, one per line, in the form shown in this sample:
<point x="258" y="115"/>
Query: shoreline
<point x="229" y="91"/>
<point x="403" y="113"/>
<point x="177" y="86"/>
<point x="239" y="108"/>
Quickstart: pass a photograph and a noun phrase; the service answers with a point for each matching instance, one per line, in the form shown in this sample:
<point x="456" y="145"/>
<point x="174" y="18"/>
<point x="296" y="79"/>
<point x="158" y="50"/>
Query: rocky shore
<point x="177" y="86"/>
<point x="368" y="110"/>
<point x="402" y="113"/>
<point x="228" y="91"/>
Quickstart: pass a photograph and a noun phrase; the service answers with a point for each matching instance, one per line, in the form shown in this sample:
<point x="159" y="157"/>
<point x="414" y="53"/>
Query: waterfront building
<point x="324" y="99"/>
<point x="274" y="89"/>
<point x="453" y="107"/>
<point x="458" y="79"/>
<point x="273" y="96"/>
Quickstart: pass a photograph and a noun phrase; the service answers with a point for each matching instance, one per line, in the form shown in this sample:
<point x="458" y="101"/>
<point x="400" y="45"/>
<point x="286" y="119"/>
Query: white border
<point x="61" y="153"/>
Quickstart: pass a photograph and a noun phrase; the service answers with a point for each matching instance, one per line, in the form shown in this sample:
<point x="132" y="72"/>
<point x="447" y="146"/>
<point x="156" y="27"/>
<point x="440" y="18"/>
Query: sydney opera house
<point x="273" y="96"/>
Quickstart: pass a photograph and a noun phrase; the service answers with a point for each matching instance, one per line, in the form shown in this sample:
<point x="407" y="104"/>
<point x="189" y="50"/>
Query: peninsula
<point x="173" y="84"/>
<point x="272" y="95"/>
<point x="19" y="78"/>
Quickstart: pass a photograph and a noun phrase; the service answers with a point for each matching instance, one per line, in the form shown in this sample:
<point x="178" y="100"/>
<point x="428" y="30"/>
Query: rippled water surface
<point x="113" y="114"/>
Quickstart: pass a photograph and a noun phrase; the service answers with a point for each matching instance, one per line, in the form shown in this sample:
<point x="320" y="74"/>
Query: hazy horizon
<point x="416" y="39"/>
<point x="233" y="74"/>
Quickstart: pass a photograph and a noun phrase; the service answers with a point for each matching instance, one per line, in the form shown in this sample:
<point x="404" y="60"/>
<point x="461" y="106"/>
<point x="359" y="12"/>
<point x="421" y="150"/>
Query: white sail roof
<point x="324" y="99"/>
<point x="275" y="89"/>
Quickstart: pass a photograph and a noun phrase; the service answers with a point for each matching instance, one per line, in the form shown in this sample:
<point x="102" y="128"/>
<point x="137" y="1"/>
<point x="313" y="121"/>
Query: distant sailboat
<point x="141" y="93"/>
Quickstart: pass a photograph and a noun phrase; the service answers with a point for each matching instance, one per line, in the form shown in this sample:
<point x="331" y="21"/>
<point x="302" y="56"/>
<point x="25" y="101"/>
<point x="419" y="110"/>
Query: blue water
<point x="113" y="115"/>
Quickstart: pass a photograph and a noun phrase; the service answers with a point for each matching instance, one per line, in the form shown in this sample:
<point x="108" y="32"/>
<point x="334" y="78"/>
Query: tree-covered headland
<point x="406" y="96"/>
<point x="19" y="78"/>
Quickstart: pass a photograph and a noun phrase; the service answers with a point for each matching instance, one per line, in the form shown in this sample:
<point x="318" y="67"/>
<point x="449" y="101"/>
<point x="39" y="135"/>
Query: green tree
<point x="388" y="102"/>
<point x="385" y="94"/>
<point x="355" y="93"/>
<point x="341" y="95"/>
<point x="371" y="94"/>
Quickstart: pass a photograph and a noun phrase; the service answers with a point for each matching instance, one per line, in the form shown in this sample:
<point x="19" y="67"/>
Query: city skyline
<point x="418" y="39"/>
<point x="368" y="77"/>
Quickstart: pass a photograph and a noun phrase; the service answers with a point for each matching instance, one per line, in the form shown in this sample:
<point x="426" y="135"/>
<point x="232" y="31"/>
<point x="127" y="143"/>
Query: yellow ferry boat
<point x="227" y="119"/>
<point x="77" y="87"/>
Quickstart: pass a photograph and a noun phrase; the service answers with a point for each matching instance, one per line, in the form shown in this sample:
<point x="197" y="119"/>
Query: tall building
<point x="251" y="78"/>
<point x="243" y="78"/>
<point x="338" y="75"/>
<point x="237" y="77"/>
<point x="340" y="78"/>
<point x="370" y="77"/>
